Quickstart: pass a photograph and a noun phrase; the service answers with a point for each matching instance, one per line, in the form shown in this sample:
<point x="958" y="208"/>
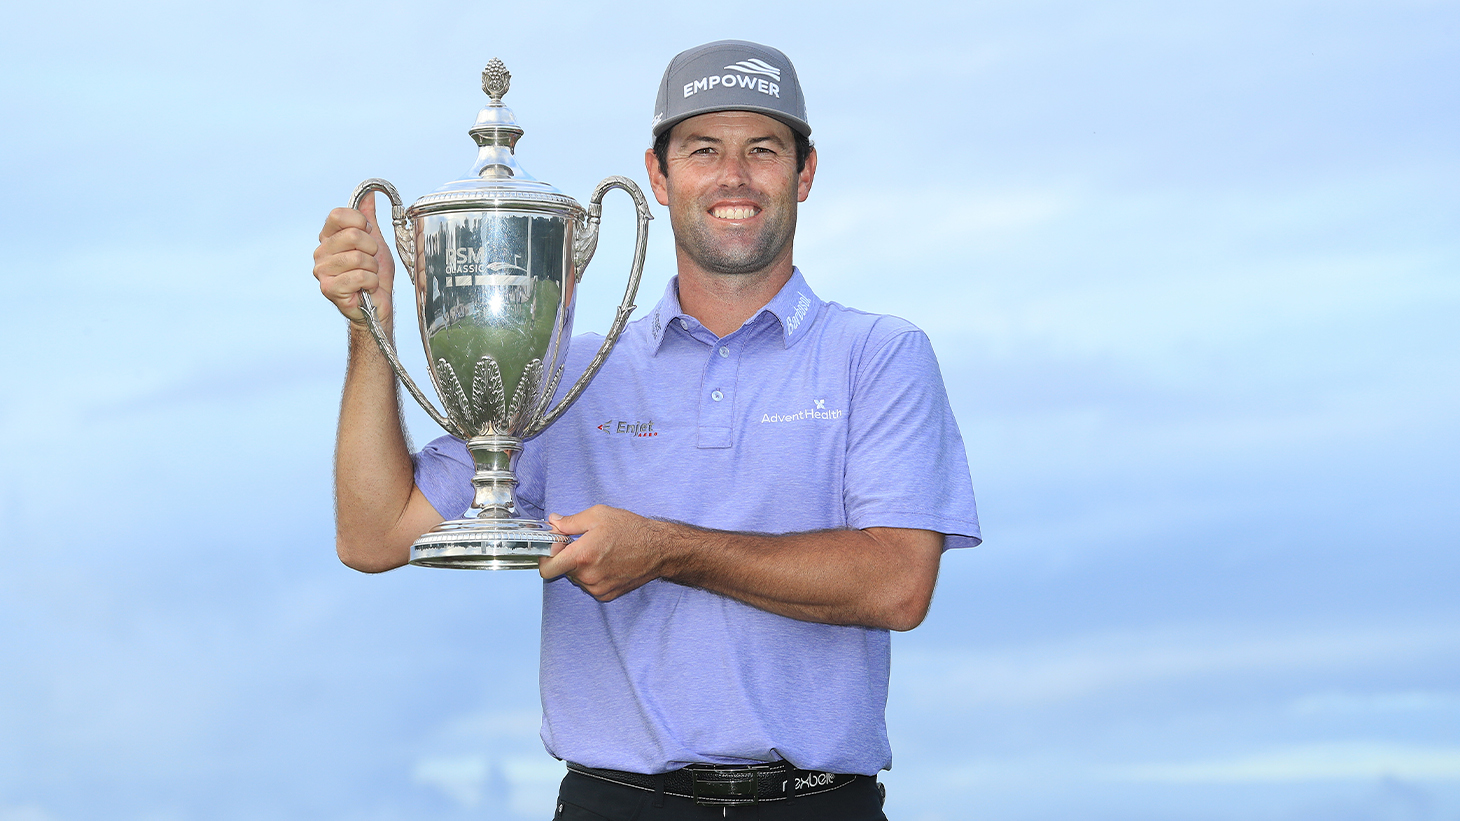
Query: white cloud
<point x="484" y="725"/>
<point x="942" y="219"/>
<point x="461" y="777"/>
<point x="27" y="812"/>
<point x="1091" y="666"/>
<point x="495" y="755"/>
<point x="530" y="781"/>
<point x="1312" y="762"/>
<point x="1337" y="703"/>
<point x="1271" y="277"/>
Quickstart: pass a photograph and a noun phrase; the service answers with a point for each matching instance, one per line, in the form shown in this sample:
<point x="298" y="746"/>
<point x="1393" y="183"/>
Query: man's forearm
<point x="878" y="577"/>
<point x="373" y="474"/>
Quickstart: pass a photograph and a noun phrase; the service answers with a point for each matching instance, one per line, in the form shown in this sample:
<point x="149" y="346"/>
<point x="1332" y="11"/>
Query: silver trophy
<point x="495" y="258"/>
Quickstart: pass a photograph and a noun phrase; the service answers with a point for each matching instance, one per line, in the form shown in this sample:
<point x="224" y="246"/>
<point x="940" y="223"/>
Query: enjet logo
<point x="746" y="78"/>
<point x="635" y="429"/>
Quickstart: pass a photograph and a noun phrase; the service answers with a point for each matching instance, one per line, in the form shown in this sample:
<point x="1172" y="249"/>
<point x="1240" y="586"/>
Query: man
<point x="761" y="485"/>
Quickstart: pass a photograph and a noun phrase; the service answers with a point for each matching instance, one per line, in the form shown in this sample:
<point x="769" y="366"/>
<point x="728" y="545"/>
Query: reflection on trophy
<point x="495" y="258"/>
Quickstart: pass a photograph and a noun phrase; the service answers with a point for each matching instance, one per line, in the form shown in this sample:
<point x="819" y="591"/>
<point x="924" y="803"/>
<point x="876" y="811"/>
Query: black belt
<point x="725" y="785"/>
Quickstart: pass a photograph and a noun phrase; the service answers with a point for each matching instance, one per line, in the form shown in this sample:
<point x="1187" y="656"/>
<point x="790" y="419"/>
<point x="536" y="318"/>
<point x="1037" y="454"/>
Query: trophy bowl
<point x="495" y="259"/>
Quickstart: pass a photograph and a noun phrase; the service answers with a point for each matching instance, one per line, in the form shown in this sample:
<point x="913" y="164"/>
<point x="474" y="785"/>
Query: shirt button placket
<point x="720" y="373"/>
<point x="718" y="411"/>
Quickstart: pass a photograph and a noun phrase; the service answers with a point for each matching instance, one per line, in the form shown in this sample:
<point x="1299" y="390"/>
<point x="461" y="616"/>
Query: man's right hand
<point x="353" y="256"/>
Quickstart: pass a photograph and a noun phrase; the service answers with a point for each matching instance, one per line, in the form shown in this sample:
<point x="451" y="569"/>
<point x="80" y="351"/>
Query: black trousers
<point x="581" y="798"/>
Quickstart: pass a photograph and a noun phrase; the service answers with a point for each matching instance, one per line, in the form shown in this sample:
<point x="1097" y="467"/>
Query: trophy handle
<point x="583" y="252"/>
<point x="405" y="247"/>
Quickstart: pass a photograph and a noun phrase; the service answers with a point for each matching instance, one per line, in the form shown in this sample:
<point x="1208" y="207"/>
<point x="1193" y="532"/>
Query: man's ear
<point x="803" y="180"/>
<point x="657" y="180"/>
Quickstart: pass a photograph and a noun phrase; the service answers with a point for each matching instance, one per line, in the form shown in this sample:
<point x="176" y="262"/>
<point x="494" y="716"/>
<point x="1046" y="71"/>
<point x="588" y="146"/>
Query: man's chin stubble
<point x="705" y="253"/>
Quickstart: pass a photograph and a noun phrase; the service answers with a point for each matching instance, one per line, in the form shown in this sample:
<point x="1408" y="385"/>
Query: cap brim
<point x="795" y="124"/>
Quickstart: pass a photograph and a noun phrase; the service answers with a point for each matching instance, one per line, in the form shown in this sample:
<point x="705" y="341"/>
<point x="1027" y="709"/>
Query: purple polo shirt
<point x="810" y="416"/>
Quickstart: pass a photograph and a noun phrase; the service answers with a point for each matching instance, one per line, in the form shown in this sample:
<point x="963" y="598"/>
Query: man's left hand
<point x="614" y="553"/>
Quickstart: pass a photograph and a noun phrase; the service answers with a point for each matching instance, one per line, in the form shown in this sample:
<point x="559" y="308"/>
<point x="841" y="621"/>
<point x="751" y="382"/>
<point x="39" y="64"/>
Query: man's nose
<point x="734" y="170"/>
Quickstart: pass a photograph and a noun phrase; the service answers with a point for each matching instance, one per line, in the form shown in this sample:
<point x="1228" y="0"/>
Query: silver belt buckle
<point x="722" y="788"/>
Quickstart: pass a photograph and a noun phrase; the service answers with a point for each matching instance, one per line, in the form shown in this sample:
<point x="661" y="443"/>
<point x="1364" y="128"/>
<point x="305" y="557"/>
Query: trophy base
<point x="485" y="544"/>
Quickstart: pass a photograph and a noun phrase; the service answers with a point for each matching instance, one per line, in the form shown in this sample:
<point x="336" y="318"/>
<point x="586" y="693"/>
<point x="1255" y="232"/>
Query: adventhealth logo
<point x="618" y="427"/>
<point x="818" y="410"/>
<point x="745" y="78"/>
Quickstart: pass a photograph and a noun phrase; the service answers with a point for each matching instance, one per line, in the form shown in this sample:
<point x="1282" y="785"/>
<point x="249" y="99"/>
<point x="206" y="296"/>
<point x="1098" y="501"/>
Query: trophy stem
<point x="488" y="537"/>
<point x="493" y="482"/>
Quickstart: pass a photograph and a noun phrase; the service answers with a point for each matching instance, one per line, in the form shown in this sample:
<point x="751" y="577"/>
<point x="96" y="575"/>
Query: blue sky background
<point x="1192" y="271"/>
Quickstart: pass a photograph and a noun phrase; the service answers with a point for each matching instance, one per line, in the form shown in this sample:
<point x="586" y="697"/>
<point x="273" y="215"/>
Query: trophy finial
<point x="496" y="79"/>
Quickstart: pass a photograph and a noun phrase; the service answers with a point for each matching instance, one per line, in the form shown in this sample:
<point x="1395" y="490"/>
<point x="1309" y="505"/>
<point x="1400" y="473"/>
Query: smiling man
<point x="772" y="492"/>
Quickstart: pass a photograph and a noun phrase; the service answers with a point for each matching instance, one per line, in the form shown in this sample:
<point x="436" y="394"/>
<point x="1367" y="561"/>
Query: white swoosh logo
<point x="756" y="66"/>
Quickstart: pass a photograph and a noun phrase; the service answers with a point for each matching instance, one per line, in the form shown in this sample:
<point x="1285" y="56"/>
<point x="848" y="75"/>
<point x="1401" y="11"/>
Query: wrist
<point x="362" y="340"/>
<point x="674" y="543"/>
<point x="362" y="322"/>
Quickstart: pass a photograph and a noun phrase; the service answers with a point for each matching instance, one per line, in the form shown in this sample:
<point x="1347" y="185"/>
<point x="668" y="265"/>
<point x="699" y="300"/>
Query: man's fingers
<point x="346" y="287"/>
<point x="340" y="219"/>
<point x="367" y="208"/>
<point x="562" y="562"/>
<point x="353" y="257"/>
<point x="575" y="525"/>
<point x="336" y="257"/>
<point x="347" y="272"/>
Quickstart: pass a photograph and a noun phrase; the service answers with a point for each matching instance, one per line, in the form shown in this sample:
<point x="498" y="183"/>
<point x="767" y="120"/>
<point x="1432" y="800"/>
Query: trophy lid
<point x="496" y="181"/>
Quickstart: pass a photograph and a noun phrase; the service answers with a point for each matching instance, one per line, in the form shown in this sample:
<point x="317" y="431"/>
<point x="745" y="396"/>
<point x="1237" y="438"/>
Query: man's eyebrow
<point x="707" y="139"/>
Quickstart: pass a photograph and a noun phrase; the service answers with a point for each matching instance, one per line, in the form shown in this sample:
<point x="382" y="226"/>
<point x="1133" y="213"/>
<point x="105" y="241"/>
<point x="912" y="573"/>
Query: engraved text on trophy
<point x="493" y="312"/>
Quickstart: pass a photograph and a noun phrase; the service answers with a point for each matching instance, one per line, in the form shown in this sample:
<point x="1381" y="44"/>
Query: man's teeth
<point x="736" y="213"/>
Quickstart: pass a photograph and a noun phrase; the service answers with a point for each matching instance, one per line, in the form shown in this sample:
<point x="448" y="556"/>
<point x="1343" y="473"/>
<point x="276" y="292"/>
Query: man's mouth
<point x="734" y="212"/>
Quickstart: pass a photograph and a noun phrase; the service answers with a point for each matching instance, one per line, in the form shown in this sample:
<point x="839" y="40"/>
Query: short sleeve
<point x="443" y="471"/>
<point x="530" y="471"/>
<point x="906" y="464"/>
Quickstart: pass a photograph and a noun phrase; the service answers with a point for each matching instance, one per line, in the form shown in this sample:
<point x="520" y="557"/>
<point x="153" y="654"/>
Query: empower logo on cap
<point x="746" y="79"/>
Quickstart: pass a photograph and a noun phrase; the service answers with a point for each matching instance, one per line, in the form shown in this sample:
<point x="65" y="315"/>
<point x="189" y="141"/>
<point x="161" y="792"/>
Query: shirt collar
<point x="795" y="306"/>
<point x="665" y="312"/>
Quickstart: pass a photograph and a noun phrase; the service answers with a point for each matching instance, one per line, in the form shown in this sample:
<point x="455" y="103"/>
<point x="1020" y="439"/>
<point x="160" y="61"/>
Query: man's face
<point x="732" y="190"/>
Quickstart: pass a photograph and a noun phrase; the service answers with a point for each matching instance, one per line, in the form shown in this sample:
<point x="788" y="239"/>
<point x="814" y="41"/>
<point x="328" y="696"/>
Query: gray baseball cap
<point x="730" y="75"/>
